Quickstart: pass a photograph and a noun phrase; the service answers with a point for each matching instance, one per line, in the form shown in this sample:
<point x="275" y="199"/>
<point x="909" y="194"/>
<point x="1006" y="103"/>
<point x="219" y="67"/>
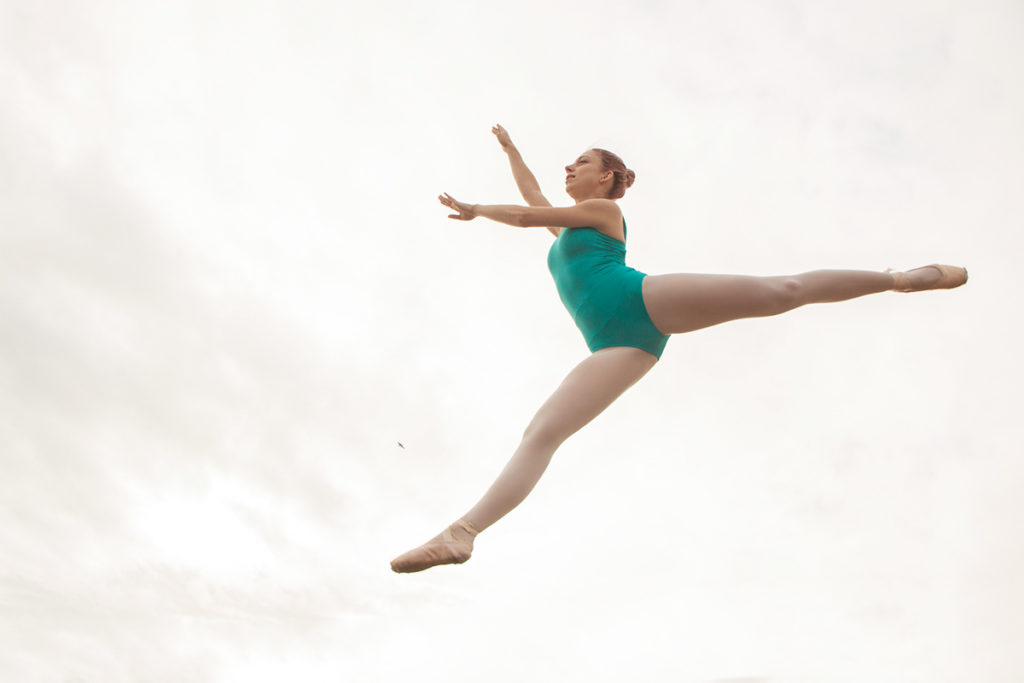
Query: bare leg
<point x="685" y="302"/>
<point x="590" y="388"/>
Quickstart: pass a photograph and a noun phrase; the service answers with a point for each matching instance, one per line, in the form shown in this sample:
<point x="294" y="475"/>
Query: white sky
<point x="227" y="291"/>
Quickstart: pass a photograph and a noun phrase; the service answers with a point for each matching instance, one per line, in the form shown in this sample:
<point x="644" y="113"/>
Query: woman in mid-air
<point x="625" y="316"/>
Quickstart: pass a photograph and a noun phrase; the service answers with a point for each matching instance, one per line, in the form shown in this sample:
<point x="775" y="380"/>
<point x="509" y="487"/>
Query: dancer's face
<point x="585" y="177"/>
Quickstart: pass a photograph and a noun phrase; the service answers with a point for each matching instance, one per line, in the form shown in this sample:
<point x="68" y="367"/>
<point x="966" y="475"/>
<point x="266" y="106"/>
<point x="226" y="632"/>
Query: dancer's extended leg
<point x="590" y="388"/>
<point x="685" y="302"/>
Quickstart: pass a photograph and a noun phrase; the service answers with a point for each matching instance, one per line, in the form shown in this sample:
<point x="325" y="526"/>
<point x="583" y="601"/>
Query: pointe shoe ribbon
<point x="949" y="277"/>
<point x="445" y="549"/>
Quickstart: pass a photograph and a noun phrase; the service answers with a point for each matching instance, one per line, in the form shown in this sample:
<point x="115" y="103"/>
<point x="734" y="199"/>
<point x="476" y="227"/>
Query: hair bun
<point x="623" y="176"/>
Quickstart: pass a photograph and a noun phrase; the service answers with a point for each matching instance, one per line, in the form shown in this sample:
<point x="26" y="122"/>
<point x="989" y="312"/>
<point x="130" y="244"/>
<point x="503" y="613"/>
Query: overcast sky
<point x="227" y="293"/>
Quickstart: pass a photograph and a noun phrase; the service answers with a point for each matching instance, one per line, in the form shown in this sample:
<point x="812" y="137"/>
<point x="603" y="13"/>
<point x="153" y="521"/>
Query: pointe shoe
<point x="446" y="549"/>
<point x="949" y="277"/>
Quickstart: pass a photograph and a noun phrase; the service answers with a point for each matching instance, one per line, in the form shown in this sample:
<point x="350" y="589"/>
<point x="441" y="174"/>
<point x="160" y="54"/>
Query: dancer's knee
<point x="544" y="435"/>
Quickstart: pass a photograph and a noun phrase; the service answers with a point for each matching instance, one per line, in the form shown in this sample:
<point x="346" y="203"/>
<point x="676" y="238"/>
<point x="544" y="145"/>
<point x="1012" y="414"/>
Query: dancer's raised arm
<point x="525" y="180"/>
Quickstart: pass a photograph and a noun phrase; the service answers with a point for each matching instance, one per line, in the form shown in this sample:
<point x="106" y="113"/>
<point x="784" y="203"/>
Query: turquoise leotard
<point x="601" y="292"/>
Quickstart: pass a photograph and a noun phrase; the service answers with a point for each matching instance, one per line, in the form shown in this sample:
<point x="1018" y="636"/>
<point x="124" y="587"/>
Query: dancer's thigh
<point x="586" y="391"/>
<point x="684" y="302"/>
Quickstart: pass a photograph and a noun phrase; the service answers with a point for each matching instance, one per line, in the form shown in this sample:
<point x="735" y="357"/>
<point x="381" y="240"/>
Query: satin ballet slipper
<point x="949" y="277"/>
<point x="445" y="549"/>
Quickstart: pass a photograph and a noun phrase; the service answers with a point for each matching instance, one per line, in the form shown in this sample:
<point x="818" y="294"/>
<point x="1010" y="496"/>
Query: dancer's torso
<point x="603" y="294"/>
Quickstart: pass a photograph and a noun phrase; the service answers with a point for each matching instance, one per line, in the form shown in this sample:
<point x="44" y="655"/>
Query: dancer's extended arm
<point x="525" y="180"/>
<point x="590" y="213"/>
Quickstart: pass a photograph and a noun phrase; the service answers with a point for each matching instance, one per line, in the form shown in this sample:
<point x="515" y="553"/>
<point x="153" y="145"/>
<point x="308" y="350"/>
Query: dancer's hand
<point x="503" y="139"/>
<point x="464" y="212"/>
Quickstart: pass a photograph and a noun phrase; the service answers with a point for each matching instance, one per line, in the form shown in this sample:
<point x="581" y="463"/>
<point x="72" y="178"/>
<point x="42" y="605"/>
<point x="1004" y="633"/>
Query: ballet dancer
<point x="626" y="318"/>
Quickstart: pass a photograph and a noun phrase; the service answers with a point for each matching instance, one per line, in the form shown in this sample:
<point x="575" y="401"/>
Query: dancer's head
<point x="597" y="173"/>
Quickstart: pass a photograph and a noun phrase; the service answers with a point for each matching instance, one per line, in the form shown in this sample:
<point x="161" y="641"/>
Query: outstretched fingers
<point x="447" y="200"/>
<point x="462" y="209"/>
<point x="502" y="135"/>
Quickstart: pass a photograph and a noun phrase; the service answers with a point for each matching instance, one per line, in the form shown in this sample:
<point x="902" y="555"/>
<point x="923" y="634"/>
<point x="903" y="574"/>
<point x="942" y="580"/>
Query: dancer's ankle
<point x="463" y="531"/>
